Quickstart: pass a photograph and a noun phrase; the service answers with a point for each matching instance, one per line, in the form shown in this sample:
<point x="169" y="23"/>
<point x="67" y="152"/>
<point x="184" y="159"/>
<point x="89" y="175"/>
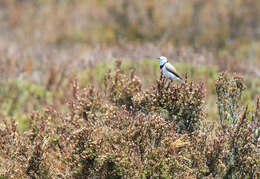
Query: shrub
<point x="229" y="91"/>
<point x="230" y="150"/>
<point x="121" y="87"/>
<point x="184" y="102"/>
<point x="123" y="131"/>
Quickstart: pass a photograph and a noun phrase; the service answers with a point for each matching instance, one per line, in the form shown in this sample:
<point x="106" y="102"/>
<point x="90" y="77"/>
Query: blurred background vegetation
<point x="217" y="25"/>
<point x="45" y="44"/>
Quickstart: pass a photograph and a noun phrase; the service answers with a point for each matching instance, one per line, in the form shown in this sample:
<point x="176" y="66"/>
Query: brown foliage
<point x="124" y="132"/>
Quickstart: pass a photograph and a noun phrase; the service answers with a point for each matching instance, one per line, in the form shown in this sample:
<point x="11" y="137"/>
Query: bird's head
<point x="162" y="59"/>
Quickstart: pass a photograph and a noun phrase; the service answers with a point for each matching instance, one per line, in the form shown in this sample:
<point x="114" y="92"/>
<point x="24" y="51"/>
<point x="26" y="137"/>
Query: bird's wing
<point x="171" y="69"/>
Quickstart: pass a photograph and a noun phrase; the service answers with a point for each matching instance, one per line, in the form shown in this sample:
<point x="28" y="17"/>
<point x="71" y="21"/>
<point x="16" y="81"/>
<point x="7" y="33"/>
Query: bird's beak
<point x="158" y="58"/>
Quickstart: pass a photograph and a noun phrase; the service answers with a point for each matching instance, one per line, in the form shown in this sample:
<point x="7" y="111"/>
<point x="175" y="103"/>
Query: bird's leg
<point x="168" y="85"/>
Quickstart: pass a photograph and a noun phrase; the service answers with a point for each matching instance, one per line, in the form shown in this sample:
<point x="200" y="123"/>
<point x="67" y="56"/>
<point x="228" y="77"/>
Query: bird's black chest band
<point x="161" y="66"/>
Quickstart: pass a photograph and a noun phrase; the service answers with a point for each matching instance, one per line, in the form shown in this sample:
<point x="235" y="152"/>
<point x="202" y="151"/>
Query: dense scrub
<point x="120" y="130"/>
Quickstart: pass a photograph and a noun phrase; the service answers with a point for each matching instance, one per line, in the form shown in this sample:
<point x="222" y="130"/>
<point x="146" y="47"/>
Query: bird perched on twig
<point x="168" y="69"/>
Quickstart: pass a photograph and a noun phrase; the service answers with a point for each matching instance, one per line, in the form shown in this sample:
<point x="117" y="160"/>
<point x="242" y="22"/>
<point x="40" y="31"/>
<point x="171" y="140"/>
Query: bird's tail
<point x="180" y="80"/>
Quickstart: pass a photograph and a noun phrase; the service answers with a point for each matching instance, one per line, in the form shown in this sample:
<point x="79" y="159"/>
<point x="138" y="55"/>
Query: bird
<point x="168" y="69"/>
